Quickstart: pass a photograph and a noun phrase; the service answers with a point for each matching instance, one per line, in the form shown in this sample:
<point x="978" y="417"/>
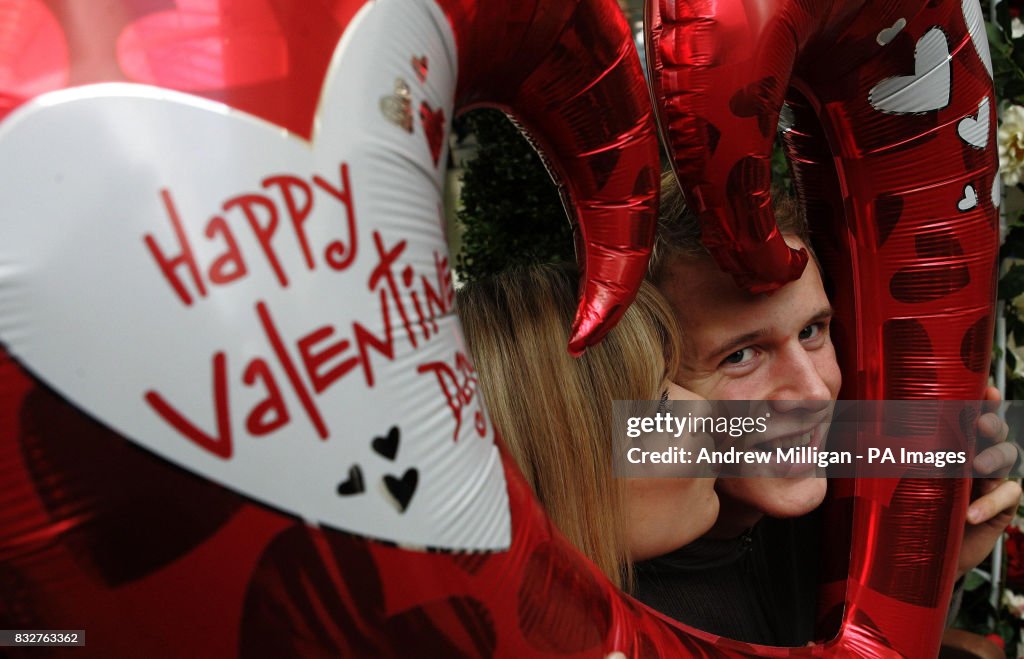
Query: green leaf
<point x="1003" y="20"/>
<point x="1013" y="246"/>
<point x="973" y="581"/>
<point x="1012" y="283"/>
<point x="997" y="42"/>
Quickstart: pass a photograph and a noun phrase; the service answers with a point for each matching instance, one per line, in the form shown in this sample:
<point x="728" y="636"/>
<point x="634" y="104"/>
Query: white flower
<point x="1016" y="28"/>
<point x="1014" y="603"/>
<point x="1011" y="144"/>
<point x="1018" y="354"/>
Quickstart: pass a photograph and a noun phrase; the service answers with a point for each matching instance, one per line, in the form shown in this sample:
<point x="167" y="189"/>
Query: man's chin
<point x="777" y="497"/>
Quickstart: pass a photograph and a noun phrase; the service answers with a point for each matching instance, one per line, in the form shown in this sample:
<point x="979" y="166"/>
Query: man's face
<point x="739" y="346"/>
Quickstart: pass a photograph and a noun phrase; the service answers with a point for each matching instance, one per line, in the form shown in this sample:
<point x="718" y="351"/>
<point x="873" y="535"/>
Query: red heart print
<point x="419" y="65"/>
<point x="433" y="128"/>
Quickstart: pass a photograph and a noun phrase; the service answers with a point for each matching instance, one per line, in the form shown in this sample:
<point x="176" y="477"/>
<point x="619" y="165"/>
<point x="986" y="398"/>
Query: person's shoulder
<point x="798" y="530"/>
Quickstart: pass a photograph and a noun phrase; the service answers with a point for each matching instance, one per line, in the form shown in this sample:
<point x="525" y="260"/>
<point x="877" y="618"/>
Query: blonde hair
<point x="554" y="412"/>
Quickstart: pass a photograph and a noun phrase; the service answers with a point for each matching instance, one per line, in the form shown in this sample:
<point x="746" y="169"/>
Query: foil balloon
<point x="236" y="413"/>
<point x="888" y="115"/>
<point x="237" y="416"/>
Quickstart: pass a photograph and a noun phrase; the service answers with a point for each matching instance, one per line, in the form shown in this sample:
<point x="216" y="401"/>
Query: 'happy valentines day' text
<point x="324" y="357"/>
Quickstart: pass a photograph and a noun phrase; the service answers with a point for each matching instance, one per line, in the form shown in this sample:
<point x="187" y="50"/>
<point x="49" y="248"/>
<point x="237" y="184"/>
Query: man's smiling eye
<point x="810" y="331"/>
<point x="739" y="357"/>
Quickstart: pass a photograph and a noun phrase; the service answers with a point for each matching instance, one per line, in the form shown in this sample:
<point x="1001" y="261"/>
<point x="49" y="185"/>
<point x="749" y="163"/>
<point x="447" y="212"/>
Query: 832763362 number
<point x="41" y="637"/>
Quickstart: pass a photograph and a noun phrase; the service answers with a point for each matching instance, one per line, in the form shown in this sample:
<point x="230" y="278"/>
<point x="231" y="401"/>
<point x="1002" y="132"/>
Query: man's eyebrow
<point x="823" y="313"/>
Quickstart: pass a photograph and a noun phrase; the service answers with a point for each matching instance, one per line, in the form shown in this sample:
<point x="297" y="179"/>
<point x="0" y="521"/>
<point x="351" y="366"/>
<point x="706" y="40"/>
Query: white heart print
<point x="927" y="90"/>
<point x="886" y="35"/>
<point x="975" y="131"/>
<point x="256" y="307"/>
<point x="969" y="200"/>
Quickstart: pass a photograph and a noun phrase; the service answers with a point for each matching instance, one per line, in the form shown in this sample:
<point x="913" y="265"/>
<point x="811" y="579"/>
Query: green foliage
<point x="511" y="210"/>
<point x="976" y="610"/>
<point x="1008" y="78"/>
<point x="1011" y="287"/>
<point x="1012" y="283"/>
<point x="782" y="175"/>
<point x="1007" y="56"/>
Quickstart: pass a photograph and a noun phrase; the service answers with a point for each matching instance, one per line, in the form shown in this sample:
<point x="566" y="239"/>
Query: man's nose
<point x="798" y="383"/>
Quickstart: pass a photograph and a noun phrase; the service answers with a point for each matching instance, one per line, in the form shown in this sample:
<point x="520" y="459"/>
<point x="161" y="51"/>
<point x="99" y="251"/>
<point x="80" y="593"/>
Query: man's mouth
<point x="796" y="440"/>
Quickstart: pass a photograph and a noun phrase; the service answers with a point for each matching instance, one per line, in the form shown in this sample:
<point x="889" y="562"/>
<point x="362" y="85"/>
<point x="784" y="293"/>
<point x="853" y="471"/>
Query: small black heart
<point x="387" y="446"/>
<point x="402" y="490"/>
<point x="354" y="484"/>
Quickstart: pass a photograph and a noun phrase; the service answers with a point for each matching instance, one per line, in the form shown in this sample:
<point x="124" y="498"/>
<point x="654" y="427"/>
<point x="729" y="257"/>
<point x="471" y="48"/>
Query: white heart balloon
<point x="255" y="307"/>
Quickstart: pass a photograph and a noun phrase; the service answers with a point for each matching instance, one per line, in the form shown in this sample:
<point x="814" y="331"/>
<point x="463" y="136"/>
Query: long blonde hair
<point x="554" y="412"/>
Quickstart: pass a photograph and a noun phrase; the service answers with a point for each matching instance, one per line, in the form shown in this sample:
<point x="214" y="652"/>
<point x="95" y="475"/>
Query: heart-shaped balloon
<point x="231" y="229"/>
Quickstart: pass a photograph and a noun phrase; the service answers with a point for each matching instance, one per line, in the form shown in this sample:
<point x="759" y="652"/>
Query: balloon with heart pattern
<point x="225" y="289"/>
<point x="890" y="138"/>
<point x="235" y="398"/>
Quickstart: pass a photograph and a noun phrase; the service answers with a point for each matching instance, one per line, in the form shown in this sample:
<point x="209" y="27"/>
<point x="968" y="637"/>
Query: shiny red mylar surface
<point x="148" y="557"/>
<point x="160" y="518"/>
<point x="890" y="131"/>
<point x="520" y="60"/>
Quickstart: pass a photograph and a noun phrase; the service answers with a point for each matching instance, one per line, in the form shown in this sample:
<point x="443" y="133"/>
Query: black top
<point x="758" y="588"/>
